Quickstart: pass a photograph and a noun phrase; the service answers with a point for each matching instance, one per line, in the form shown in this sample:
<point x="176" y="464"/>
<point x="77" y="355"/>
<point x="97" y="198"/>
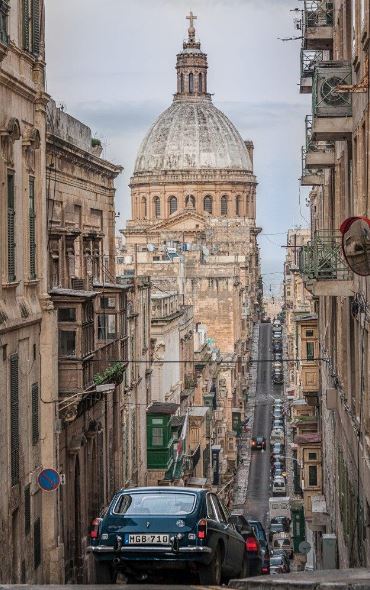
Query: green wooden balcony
<point x="323" y="266"/>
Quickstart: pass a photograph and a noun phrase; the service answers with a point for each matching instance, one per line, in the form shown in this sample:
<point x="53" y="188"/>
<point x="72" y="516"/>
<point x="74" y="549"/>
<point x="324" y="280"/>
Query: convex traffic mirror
<point x="356" y="244"/>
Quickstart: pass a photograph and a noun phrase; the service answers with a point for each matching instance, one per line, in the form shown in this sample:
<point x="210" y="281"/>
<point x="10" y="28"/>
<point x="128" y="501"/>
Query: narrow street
<point x="259" y="472"/>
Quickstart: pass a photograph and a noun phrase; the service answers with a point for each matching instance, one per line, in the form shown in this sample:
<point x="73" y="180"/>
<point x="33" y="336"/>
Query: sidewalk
<point x="244" y="446"/>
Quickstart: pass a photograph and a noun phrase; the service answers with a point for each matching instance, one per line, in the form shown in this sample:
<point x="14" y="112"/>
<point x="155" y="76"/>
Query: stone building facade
<point x="193" y="223"/>
<point x="335" y="58"/>
<point x="28" y="517"/>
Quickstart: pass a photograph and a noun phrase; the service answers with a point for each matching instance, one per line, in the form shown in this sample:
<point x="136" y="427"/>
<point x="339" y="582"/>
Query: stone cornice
<point x="196" y="176"/>
<point x="81" y="157"/>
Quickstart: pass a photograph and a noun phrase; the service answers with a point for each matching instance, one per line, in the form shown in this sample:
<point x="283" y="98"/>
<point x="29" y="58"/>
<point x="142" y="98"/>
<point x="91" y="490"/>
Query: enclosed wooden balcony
<point x="318" y="21"/>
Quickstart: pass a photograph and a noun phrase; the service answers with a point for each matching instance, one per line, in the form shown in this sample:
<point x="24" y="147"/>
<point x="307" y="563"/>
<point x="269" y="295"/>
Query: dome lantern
<point x="191" y="67"/>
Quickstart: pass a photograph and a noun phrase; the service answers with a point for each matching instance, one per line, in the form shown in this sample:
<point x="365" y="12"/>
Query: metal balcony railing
<point x="322" y="258"/>
<point x="309" y="58"/>
<point x="315" y="146"/>
<point x="308" y="171"/>
<point x="318" y="13"/>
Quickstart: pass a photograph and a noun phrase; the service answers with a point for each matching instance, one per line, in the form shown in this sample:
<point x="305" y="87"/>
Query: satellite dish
<point x="356" y="244"/>
<point x="150" y="247"/>
<point x="304" y="547"/>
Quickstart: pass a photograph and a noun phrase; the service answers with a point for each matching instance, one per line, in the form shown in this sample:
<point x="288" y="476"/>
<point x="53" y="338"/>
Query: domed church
<point x="194" y="206"/>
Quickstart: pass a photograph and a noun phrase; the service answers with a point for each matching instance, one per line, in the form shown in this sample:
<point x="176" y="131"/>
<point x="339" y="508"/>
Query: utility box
<point x="329" y="552"/>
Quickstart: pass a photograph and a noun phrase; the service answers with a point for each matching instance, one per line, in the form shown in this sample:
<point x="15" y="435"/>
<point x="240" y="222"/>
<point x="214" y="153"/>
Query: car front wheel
<point x="104" y="573"/>
<point x="210" y="575"/>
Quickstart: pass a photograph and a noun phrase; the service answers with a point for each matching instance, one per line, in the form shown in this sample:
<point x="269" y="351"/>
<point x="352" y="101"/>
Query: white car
<point x="278" y="486"/>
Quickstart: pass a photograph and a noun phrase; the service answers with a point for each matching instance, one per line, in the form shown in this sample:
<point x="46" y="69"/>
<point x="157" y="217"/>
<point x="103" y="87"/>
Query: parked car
<point x="276" y="436"/>
<point x="283" y="542"/>
<point x="265" y="569"/>
<point x="276" y="465"/>
<point x="259" y="532"/>
<point x="277" y="413"/>
<point x="258" y="443"/>
<point x="276" y="527"/>
<point x="255" y="553"/>
<point x="148" y="530"/>
<point x="284" y="520"/>
<point x="278" y="423"/>
<point x="278" y="356"/>
<point x="278" y="486"/>
<point x="279" y="564"/>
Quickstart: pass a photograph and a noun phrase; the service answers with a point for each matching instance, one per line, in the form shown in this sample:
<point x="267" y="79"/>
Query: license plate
<point x="152" y="539"/>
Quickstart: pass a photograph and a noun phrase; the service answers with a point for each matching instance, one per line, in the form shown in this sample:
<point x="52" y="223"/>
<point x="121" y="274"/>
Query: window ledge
<point x="11" y="285"/>
<point x="32" y="282"/>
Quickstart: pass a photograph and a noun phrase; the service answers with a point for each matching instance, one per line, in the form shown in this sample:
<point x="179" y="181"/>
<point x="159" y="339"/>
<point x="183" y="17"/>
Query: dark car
<point x="255" y="555"/>
<point x="277" y="466"/>
<point x="278" y="448"/>
<point x="282" y="520"/>
<point x="278" y="379"/>
<point x="258" y="443"/>
<point x="278" y="356"/>
<point x="259" y="532"/>
<point x="265" y="570"/>
<point x="148" y="530"/>
<point x="276" y="527"/>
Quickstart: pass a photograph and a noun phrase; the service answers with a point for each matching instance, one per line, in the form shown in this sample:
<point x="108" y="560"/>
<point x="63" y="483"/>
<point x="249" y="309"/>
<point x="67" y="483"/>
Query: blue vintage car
<point x="146" y="531"/>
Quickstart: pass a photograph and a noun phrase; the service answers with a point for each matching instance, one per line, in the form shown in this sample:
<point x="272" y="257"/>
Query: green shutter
<point x="11" y="229"/>
<point x="35" y="413"/>
<point x="27" y="509"/>
<point x="14" y="419"/>
<point x="36" y="27"/>
<point x="37" y="543"/>
<point x="26" y="24"/>
<point x="32" y="229"/>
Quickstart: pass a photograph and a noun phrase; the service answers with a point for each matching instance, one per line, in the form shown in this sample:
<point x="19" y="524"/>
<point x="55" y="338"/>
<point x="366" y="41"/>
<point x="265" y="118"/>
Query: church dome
<point x="192" y="134"/>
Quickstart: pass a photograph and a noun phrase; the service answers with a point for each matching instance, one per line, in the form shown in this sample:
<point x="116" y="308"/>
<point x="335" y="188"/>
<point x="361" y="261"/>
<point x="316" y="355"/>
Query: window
<point x="210" y="510"/>
<point x="309" y="333"/>
<point x="207" y="204"/>
<point x="144" y="208"/>
<point x="237" y="206"/>
<point x="182" y="83"/>
<point x="312" y="475"/>
<point x="31" y="26"/>
<point x="107" y="302"/>
<point x="310" y="351"/>
<point x="67" y="343"/>
<point x="312" y="456"/>
<point x="173" y="205"/>
<point x="32" y="228"/>
<point x="157" y="436"/>
<point x="191" y="83"/>
<point x="35" y="413"/>
<point x="67" y="314"/>
<point x="11" y="229"/>
<point x="14" y="419"/>
<point x="223" y="205"/>
<point x="157" y="207"/>
<point x="155" y="503"/>
<point x="106" y="327"/>
<point x="4" y="10"/>
<point x="200" y="84"/>
<point x="27" y="509"/>
<point x="217" y="508"/>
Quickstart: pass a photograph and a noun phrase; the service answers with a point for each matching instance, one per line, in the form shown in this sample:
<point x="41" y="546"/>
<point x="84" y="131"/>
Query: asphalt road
<point x="258" y="493"/>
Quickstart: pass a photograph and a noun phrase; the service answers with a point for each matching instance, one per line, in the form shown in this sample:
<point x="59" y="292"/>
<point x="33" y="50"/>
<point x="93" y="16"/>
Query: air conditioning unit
<point x="326" y="101"/>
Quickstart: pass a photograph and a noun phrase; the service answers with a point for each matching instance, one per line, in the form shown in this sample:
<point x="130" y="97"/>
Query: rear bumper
<point x="135" y="555"/>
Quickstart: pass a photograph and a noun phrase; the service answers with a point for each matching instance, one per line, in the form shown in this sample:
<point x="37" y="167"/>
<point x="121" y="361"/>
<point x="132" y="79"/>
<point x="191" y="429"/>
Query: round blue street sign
<point x="49" y="480"/>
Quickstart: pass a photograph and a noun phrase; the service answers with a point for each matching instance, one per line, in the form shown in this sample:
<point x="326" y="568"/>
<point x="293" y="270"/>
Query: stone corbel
<point x="31" y="142"/>
<point x="8" y="135"/>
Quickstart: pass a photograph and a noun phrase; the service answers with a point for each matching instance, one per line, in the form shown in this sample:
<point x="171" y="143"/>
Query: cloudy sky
<point x="112" y="65"/>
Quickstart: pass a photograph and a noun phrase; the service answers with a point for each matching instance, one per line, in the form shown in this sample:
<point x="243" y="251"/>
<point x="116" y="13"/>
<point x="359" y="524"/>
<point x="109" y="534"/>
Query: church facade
<point x="193" y="226"/>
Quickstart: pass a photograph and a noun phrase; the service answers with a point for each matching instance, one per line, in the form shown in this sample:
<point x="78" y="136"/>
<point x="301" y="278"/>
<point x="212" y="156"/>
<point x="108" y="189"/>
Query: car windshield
<point x="155" y="503"/>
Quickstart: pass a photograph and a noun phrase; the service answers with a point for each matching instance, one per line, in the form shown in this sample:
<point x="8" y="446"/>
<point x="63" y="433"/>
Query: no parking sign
<point x="49" y="480"/>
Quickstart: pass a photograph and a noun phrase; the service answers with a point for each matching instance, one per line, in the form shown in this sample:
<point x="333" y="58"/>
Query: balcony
<point x="323" y="267"/>
<point x="310" y="176"/>
<point x="318" y="24"/>
<point x="309" y="59"/>
<point x="332" y="110"/>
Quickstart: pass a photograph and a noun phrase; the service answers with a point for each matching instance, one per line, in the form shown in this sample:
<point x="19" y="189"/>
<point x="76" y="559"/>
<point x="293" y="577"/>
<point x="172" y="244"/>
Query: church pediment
<point x="183" y="221"/>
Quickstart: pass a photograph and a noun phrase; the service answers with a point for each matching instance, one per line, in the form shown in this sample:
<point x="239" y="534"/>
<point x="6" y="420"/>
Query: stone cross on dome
<point x="191" y="29"/>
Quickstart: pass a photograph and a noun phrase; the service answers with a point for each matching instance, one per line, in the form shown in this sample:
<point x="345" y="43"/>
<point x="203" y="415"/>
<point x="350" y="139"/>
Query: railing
<point x="308" y="171"/>
<point x="315" y="146"/>
<point x="309" y="58"/>
<point x="318" y="13"/>
<point x="322" y="259"/>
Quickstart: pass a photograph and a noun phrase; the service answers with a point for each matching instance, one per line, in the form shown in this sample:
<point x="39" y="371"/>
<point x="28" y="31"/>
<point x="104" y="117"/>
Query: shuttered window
<point x="31" y="26"/>
<point x="11" y="228"/>
<point x="35" y="413"/>
<point x="27" y="510"/>
<point x="32" y="228"/>
<point x="36" y="543"/>
<point x="14" y="419"/>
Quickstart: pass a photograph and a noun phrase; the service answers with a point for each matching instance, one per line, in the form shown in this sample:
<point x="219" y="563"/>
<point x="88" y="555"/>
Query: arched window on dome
<point x="191" y="83"/>
<point x="207" y="204"/>
<point x="143" y="207"/>
<point x="172" y="205"/>
<point x="182" y="83"/>
<point x="224" y="205"/>
<point x="200" y="84"/>
<point x="237" y="206"/>
<point x="157" y="207"/>
<point x="190" y="201"/>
